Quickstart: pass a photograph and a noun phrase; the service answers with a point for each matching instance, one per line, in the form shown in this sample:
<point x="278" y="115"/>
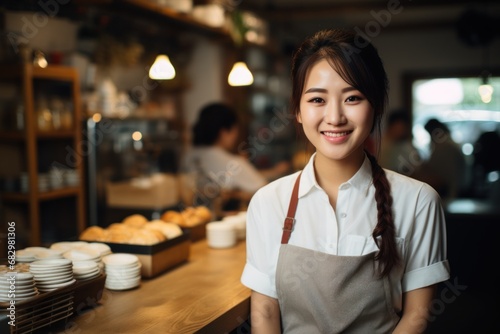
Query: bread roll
<point x="120" y="236"/>
<point x="119" y="227"/>
<point x="136" y="221"/>
<point x="146" y="237"/>
<point x="169" y="230"/>
<point x="172" y="216"/>
<point x="93" y="233"/>
<point x="204" y="213"/>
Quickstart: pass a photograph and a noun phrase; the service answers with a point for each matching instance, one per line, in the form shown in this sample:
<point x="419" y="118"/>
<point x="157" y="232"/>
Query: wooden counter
<point x="203" y="295"/>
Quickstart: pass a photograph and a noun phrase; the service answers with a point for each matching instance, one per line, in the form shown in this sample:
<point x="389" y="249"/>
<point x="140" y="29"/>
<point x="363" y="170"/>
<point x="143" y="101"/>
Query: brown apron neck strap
<point x="290" y="216"/>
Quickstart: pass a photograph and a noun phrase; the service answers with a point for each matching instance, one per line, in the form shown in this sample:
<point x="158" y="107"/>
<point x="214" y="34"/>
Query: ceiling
<point x="295" y="19"/>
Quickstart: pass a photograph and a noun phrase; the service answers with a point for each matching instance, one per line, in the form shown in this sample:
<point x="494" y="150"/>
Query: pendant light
<point x="162" y="68"/>
<point x="485" y="90"/>
<point x="240" y="75"/>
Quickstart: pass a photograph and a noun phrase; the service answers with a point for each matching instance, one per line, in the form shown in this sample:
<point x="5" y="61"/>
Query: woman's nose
<point x="334" y="114"/>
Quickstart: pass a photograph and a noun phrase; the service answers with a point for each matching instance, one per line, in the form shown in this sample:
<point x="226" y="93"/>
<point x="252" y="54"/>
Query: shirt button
<point x="343" y="215"/>
<point x="344" y="186"/>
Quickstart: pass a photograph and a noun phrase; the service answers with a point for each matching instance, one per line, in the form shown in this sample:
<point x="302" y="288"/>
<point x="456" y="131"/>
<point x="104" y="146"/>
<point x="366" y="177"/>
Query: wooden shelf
<point x="183" y="18"/>
<point x="61" y="73"/>
<point x="43" y="143"/>
<point x="20" y="135"/>
<point x="42" y="196"/>
<point x="9" y="135"/>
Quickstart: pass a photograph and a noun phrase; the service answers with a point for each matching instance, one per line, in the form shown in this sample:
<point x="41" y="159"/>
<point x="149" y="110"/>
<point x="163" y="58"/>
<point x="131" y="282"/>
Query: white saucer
<point x="120" y="260"/>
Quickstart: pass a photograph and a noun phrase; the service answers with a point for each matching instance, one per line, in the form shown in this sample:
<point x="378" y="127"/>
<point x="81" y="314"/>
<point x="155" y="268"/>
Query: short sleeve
<point x="260" y="268"/>
<point x="425" y="255"/>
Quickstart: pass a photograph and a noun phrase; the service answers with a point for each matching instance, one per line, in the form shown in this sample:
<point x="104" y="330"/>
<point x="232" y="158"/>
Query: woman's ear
<point x="298" y="117"/>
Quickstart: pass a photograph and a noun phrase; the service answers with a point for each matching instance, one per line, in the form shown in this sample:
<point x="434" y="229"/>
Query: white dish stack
<point x="239" y="223"/>
<point x="51" y="274"/>
<point x="84" y="270"/>
<point x="123" y="271"/>
<point x="17" y="286"/>
<point x="221" y="234"/>
<point x="226" y="232"/>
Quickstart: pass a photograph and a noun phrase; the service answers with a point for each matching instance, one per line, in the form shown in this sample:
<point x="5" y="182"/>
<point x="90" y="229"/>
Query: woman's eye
<point x="353" y="98"/>
<point x="316" y="100"/>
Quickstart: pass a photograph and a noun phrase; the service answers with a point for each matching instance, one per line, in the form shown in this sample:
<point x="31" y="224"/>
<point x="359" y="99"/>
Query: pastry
<point x="136" y="221"/>
<point x="93" y="233"/>
<point x="172" y="216"/>
<point x="169" y="230"/>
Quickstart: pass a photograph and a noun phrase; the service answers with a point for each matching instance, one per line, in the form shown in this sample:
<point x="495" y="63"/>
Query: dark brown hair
<point x="358" y="63"/>
<point x="213" y="118"/>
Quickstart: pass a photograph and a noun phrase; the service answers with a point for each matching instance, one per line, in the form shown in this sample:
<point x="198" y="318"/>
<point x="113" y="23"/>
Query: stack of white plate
<point x="102" y="248"/>
<point x="123" y="271"/>
<point x="85" y="270"/>
<point x="239" y="224"/>
<point x="15" y="286"/>
<point x="52" y="273"/>
<point x="81" y="254"/>
<point x="65" y="246"/>
<point x="25" y="256"/>
<point x="48" y="254"/>
<point x="221" y="234"/>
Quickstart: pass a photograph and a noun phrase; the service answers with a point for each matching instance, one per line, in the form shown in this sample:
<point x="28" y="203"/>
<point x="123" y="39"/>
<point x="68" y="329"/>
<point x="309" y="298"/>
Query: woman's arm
<point x="416" y="306"/>
<point x="264" y="314"/>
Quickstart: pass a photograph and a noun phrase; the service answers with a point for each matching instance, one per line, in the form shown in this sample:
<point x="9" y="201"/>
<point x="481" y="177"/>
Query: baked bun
<point x="135" y="229"/>
<point x="172" y="216"/>
<point x="169" y="230"/>
<point x="93" y="233"/>
<point x="136" y="221"/>
<point x="119" y="227"/>
<point x="120" y="236"/>
<point x="204" y="213"/>
<point x="146" y="237"/>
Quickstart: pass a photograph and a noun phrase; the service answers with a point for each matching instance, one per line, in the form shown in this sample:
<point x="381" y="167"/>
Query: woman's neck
<point x="330" y="174"/>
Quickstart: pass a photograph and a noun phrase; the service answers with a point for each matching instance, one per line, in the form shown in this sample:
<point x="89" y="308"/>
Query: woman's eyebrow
<point x="315" y="90"/>
<point x="323" y="90"/>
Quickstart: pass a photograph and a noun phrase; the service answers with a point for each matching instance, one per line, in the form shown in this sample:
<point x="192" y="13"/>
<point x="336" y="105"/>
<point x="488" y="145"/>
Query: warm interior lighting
<point x="485" y="92"/>
<point x="96" y="117"/>
<point x="240" y="75"/>
<point x="162" y="69"/>
<point x="39" y="60"/>
<point x="137" y="135"/>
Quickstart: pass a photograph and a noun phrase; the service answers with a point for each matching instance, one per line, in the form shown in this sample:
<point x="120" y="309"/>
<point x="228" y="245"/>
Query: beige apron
<point x="324" y="293"/>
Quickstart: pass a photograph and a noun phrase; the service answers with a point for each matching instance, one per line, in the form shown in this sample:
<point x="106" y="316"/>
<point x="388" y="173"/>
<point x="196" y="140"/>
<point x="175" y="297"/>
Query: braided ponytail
<point x="388" y="255"/>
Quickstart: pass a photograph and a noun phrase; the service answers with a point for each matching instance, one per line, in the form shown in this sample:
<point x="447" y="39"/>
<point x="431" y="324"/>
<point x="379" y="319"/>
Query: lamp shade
<point x="162" y="69"/>
<point x="240" y="75"/>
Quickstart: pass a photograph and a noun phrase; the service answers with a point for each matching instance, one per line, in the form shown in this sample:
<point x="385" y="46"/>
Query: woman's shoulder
<point x="402" y="185"/>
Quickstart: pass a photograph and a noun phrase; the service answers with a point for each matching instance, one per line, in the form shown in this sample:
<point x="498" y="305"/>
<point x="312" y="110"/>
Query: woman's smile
<point x="336" y="117"/>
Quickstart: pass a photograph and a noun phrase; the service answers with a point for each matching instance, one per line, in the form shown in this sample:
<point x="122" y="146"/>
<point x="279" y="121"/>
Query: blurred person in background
<point x="445" y="170"/>
<point x="397" y="152"/>
<point x="218" y="169"/>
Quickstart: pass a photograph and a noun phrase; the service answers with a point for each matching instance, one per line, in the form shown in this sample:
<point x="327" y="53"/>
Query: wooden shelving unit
<point x="31" y="139"/>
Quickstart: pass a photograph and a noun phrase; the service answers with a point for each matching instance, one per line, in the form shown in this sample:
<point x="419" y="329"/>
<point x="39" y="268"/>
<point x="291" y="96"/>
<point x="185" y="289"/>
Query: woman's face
<point x="336" y="118"/>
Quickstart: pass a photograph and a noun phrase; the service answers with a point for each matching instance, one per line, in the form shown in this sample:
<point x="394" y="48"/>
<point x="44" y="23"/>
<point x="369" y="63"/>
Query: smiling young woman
<point x="351" y="259"/>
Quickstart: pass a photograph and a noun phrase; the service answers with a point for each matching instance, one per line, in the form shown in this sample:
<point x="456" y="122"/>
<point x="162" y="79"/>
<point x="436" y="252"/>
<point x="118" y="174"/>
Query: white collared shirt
<point x="418" y="217"/>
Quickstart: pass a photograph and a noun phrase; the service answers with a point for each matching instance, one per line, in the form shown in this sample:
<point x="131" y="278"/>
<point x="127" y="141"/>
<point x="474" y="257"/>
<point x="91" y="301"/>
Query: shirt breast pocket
<point x="357" y="245"/>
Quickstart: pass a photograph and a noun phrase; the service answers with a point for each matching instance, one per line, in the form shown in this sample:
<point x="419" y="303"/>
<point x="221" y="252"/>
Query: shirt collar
<point x="361" y="180"/>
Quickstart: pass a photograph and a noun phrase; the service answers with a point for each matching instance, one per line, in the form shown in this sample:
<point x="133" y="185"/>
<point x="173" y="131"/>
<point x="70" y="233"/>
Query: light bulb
<point x="485" y="92"/>
<point x="162" y="69"/>
<point x="240" y="75"/>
